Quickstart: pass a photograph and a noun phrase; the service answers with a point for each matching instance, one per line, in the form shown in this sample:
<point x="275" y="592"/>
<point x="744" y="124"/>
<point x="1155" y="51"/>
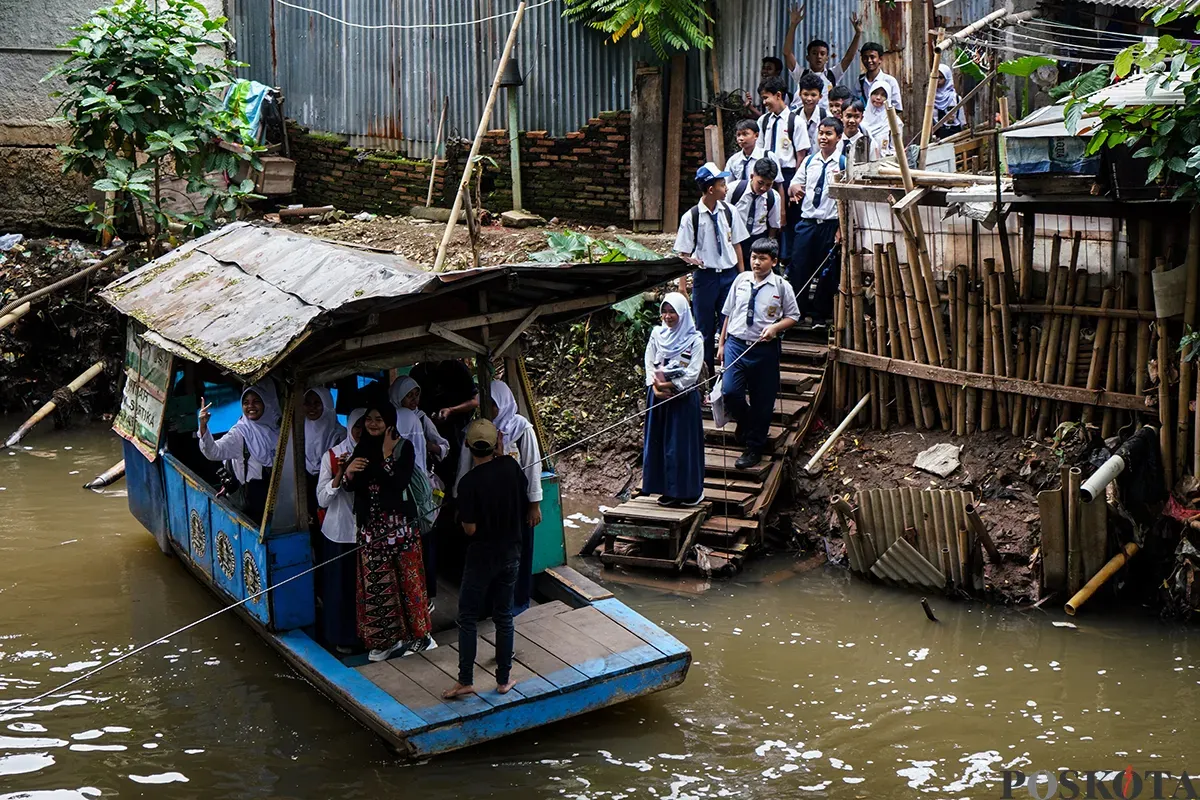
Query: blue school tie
<point x="750" y="308"/>
<point x="745" y="164"/>
<point x="750" y="217"/>
<point x="774" y="130"/>
<point x="717" y="231"/>
<point x="820" y="187"/>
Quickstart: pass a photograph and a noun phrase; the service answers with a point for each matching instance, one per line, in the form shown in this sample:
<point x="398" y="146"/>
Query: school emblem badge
<point x="199" y="540"/>
<point x="226" y="558"/>
<point x="251" y="581"/>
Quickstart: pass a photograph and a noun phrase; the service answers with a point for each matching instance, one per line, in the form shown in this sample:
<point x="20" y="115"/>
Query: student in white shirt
<point x="740" y="165"/>
<point x="817" y="232"/>
<point x="872" y="61"/>
<point x="757" y="203"/>
<point x="809" y="105"/>
<point x="838" y="99"/>
<point x="708" y="234"/>
<point x="783" y="134"/>
<point x="816" y="54"/>
<point x="875" y="120"/>
<point x="336" y="582"/>
<point x="761" y="305"/>
<point x="856" y="141"/>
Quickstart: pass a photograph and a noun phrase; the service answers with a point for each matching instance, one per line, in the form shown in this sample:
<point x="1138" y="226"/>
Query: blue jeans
<point x="757" y="373"/>
<point x="489" y="579"/>
<point x="709" y="288"/>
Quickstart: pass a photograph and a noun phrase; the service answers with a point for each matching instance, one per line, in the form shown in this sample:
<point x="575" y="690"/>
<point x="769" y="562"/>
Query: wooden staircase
<point x="738" y="500"/>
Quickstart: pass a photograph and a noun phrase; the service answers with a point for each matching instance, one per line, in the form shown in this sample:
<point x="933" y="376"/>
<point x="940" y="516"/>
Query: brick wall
<point x="581" y="178"/>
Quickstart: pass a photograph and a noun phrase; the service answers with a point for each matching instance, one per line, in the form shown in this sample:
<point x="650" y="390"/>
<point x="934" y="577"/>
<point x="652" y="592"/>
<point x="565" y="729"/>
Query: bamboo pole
<point x="989" y="353"/>
<point x="833" y="437"/>
<point x="960" y="302"/>
<point x="880" y="323"/>
<point x="108" y="477"/>
<point x="874" y="378"/>
<point x="480" y="132"/>
<point x="998" y="367"/>
<point x="433" y="162"/>
<point x="1145" y="296"/>
<point x="1116" y="353"/>
<point x="1010" y="362"/>
<point x="67" y="281"/>
<point x="972" y="354"/>
<point x="1074" y="538"/>
<point x="1079" y="295"/>
<point x="14" y="315"/>
<point x="883" y="278"/>
<point x="1049" y="370"/>
<point x="1024" y="289"/>
<point x="917" y="391"/>
<point x="1064" y="343"/>
<point x="840" y="335"/>
<point x="1100" y="578"/>
<point x="1096" y="367"/>
<point x="857" y="320"/>
<point x="71" y="388"/>
<point x="918" y="342"/>
<point x="1191" y="263"/>
<point x="1053" y="277"/>
<point x="927" y="119"/>
<point x="1164" y="390"/>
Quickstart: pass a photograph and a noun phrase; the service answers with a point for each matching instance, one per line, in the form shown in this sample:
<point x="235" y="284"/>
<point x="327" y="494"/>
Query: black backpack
<point x="791" y="127"/>
<point x="696" y="223"/>
<point x="739" y="190"/>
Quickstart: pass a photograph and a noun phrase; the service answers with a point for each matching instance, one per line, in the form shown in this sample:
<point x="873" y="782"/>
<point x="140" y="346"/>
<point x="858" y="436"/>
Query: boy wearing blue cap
<point x="707" y="238"/>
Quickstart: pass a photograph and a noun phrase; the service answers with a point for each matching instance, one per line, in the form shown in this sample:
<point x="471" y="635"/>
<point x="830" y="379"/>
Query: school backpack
<point x="696" y="222"/>
<point x="791" y="127"/>
<point x="740" y="189"/>
<point x="841" y="160"/>
<point x="421" y="492"/>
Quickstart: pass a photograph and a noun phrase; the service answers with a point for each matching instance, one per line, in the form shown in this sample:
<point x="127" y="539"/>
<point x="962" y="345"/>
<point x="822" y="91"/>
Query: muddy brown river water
<point x="804" y="684"/>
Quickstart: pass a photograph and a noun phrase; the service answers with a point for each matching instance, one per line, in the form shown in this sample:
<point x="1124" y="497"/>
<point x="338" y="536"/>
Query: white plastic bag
<point x="720" y="415"/>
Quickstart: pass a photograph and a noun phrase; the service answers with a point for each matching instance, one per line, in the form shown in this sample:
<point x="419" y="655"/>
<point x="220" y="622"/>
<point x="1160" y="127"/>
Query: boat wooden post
<point x="286" y="425"/>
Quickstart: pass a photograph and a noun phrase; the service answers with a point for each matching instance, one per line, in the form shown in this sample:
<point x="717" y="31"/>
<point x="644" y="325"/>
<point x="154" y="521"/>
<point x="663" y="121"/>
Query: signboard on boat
<point x="143" y="405"/>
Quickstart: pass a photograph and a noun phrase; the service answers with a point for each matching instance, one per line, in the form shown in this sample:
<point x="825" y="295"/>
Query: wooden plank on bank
<point x="997" y="383"/>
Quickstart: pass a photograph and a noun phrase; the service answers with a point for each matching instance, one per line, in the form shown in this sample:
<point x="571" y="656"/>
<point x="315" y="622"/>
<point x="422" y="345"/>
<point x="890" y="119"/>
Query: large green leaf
<point x="1024" y="66"/>
<point x="630" y="307"/>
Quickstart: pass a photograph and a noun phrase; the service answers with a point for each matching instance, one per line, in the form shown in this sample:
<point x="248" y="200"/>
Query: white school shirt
<point x="864" y="86"/>
<point x="808" y="176"/>
<point x="432" y="436"/>
<point x="774" y="300"/>
<point x="338" y="525"/>
<point x="230" y="449"/>
<point x="814" y="123"/>
<point x="774" y="135"/>
<point x="705" y="247"/>
<point x="849" y="143"/>
<point x="763" y="218"/>
<point x="741" y="166"/>
<point x="687" y="365"/>
<point x="834" y="70"/>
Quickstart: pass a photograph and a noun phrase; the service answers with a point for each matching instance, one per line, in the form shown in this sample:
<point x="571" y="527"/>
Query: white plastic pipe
<point x="1094" y="486"/>
<point x="833" y="437"/>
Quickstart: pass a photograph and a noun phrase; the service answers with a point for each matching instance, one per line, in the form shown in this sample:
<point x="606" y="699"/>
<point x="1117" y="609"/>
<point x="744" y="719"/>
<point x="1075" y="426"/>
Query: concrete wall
<point x="33" y="193"/>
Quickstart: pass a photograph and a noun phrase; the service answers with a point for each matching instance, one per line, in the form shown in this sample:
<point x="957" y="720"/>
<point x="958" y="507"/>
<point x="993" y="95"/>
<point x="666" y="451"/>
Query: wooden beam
<point x="516" y="332"/>
<point x="478" y="320"/>
<point x="998" y="383"/>
<point x="674" y="160"/>
<point x="910" y="199"/>
<point x="461" y="341"/>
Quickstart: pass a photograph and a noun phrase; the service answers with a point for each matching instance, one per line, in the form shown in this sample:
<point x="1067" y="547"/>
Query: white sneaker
<point x="384" y="654"/>
<point x="422" y="646"/>
<point x="432" y="607"/>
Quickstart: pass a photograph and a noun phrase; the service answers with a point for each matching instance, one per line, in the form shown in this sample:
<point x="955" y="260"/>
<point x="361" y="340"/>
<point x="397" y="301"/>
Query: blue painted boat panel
<point x="227" y="546"/>
<point x="199" y="527"/>
<point x="293" y="605"/>
<point x="254" y="576"/>
<point x="639" y="626"/>
<point x="177" y="511"/>
<point x="147" y="494"/>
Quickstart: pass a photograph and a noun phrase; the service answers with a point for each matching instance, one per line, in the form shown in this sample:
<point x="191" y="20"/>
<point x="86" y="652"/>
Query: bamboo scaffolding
<point x="989" y="352"/>
<point x="1024" y="287"/>
<point x="857" y="319"/>
<point x="1164" y="390"/>
<point x="883" y="278"/>
<point x="839" y="326"/>
<point x="918" y="392"/>
<point x="972" y="351"/>
<point x="873" y="377"/>
<point x="1078" y="296"/>
<point x="880" y="321"/>
<point x="1145" y="297"/>
<point x="1010" y="363"/>
<point x="918" y="341"/>
<point x="998" y="357"/>
<point x="960" y="304"/>
<point x="1053" y="278"/>
<point x="1191" y="264"/>
<point x="1051" y="351"/>
<point x="1096" y="368"/>
<point x="1114" y="375"/>
<point x="1074" y="534"/>
<point x="66" y="394"/>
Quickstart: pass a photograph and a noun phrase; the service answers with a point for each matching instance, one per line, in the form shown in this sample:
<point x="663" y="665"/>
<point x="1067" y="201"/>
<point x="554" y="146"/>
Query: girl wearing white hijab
<point x="875" y="119"/>
<point x="408" y="425"/>
<point x="946" y="99"/>
<point x="249" y="446"/>
<point x="406" y="393"/>
<point x="518" y="440"/>
<point x="336" y="624"/>
<point x="321" y="432"/>
<point x="673" y="447"/>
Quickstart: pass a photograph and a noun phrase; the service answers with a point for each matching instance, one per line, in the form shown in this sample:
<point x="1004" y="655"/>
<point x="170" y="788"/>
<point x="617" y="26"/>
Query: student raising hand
<point x="796" y="16"/>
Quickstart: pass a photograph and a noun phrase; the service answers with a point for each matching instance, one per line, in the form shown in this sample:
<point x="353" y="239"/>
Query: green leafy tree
<point x="1168" y="135"/>
<point x="667" y="24"/>
<point x="143" y="99"/>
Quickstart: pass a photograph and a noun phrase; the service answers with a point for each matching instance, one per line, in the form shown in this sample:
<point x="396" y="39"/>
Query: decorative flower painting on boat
<point x="250" y="578"/>
<point x="199" y="540"/>
<point x="226" y="558"/>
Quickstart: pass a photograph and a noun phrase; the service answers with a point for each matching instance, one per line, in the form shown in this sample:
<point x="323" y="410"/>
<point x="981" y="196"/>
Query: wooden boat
<point x="247" y="302"/>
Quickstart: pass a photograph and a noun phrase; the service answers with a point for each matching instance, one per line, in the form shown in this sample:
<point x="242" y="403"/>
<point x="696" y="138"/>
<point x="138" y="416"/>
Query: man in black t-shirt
<point x="492" y="507"/>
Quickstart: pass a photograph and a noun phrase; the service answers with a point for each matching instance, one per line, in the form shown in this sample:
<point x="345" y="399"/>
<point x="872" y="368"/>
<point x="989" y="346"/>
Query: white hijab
<point x="408" y="422"/>
<point x="262" y="435"/>
<point x="947" y="97"/>
<point x="347" y="445"/>
<point x="672" y="342"/>
<point x="507" y="420"/>
<point x="875" y="120"/>
<point x="321" y="434"/>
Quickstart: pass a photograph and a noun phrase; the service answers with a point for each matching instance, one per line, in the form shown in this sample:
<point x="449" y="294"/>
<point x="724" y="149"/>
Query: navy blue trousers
<point x="756" y="374"/>
<point x="813" y="241"/>
<point x="709" y="288"/>
<point x="787" y="236"/>
<point x="673" y="447"/>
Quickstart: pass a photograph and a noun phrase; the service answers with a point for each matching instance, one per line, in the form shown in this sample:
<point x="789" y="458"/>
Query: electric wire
<point x="421" y="26"/>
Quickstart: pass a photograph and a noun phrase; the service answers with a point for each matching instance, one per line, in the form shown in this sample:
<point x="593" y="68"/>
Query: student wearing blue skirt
<point x="673" y="453"/>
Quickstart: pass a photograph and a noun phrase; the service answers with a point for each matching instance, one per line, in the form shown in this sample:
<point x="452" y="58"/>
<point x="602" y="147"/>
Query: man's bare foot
<point x="505" y="688"/>
<point x="457" y="691"/>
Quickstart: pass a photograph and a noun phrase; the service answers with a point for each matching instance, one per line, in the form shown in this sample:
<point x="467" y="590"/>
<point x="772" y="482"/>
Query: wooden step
<point x="712" y="433"/>
<point x="722" y="460"/>
<point x="730" y="500"/>
<point x="793" y="347"/>
<point x="716" y="479"/>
